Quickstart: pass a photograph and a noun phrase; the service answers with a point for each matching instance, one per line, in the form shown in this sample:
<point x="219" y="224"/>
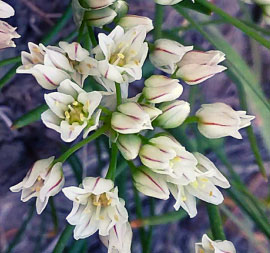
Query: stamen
<point x="121" y="56"/>
<point x="67" y="115"/>
<point x="75" y="103"/>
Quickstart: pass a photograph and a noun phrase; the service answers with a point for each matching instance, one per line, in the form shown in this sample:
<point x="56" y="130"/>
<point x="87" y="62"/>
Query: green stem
<point x="80" y="144"/>
<point x="159" y="15"/>
<point x="54" y="214"/>
<point x="250" y="133"/>
<point x="234" y="21"/>
<point x="10" y="61"/>
<point x="191" y="119"/>
<point x="118" y="93"/>
<point x="7" y="77"/>
<point x="92" y="36"/>
<point x="67" y="15"/>
<point x="215" y="222"/>
<point x="62" y="242"/>
<point x="113" y="162"/>
<point x="81" y="31"/>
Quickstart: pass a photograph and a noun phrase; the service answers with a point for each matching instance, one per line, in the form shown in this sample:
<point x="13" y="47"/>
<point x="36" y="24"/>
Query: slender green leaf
<point x="54" y="214"/>
<point x="10" y="61"/>
<point x="7" y="77"/>
<point x="195" y="6"/>
<point x="76" y="166"/>
<point x="236" y="22"/>
<point x="62" y="242"/>
<point x="30" y="117"/>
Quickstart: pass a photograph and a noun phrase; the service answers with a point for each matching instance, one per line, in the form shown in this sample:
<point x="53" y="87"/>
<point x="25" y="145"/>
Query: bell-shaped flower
<point x="130" y="21"/>
<point x="6" y="10"/>
<point x="173" y="114"/>
<point x="100" y="17"/>
<point x="119" y="238"/>
<point x="72" y="110"/>
<point x="196" y="66"/>
<point x="150" y="183"/>
<point x="167" y="53"/>
<point x="209" y="246"/>
<point x="96" y="206"/>
<point x="160" y="89"/>
<point x="203" y="187"/>
<point x="130" y="118"/>
<point x="219" y="120"/>
<point x="129" y="145"/>
<point x="164" y="155"/>
<point x="120" y="56"/>
<point x="43" y="180"/>
<point x="7" y="34"/>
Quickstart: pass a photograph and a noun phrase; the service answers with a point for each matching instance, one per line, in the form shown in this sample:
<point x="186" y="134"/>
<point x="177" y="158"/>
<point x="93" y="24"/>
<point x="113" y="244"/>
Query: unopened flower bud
<point x="100" y="17"/>
<point x="98" y="4"/>
<point x="121" y="8"/>
<point x="129" y="145"/>
<point x="219" y="120"/>
<point x="167" y="54"/>
<point x="130" y="119"/>
<point x="150" y="183"/>
<point x="160" y="89"/>
<point x="173" y="114"/>
<point x="130" y="21"/>
<point x="152" y="111"/>
<point x="169" y="2"/>
<point x="195" y="67"/>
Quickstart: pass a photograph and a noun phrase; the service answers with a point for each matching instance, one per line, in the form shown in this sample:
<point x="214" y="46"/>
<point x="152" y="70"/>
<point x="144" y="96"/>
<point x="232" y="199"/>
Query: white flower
<point x="43" y="180"/>
<point x="96" y="206"/>
<point x="150" y="183"/>
<point x="72" y="110"/>
<point x="6" y="10"/>
<point x="119" y="238"/>
<point x="7" y="34"/>
<point x="220" y="120"/>
<point x="129" y="145"/>
<point x="51" y="65"/>
<point x="160" y="89"/>
<point x="130" y="21"/>
<point x="209" y="246"/>
<point x="196" y="66"/>
<point x="151" y="110"/>
<point x="120" y="56"/>
<point x="203" y="187"/>
<point x="165" y="155"/>
<point x="130" y="118"/>
<point x="167" y="53"/>
<point x="173" y="114"/>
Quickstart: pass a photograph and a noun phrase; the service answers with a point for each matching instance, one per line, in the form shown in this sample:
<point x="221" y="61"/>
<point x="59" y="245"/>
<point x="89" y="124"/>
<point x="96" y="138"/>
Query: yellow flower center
<point x="118" y="59"/>
<point x="101" y="200"/>
<point x="76" y="113"/>
<point x="175" y="160"/>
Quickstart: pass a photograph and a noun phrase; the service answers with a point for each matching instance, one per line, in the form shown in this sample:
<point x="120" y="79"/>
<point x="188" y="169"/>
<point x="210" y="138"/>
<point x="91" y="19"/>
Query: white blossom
<point x="42" y="181"/>
<point x="219" y="120"/>
<point x="72" y="110"/>
<point x="96" y="207"/>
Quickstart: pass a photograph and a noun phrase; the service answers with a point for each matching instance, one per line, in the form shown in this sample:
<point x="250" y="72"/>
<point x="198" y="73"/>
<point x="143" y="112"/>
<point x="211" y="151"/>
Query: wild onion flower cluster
<point x="163" y="165"/>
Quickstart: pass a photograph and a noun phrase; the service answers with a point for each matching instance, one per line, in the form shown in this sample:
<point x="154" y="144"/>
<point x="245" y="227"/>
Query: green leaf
<point x="30" y="117"/>
<point x="62" y="242"/>
<point x="194" y="6"/>
<point x="236" y="22"/>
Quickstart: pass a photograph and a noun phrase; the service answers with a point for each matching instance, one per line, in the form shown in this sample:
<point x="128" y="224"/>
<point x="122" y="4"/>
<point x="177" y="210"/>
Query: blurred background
<point x="22" y="230"/>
